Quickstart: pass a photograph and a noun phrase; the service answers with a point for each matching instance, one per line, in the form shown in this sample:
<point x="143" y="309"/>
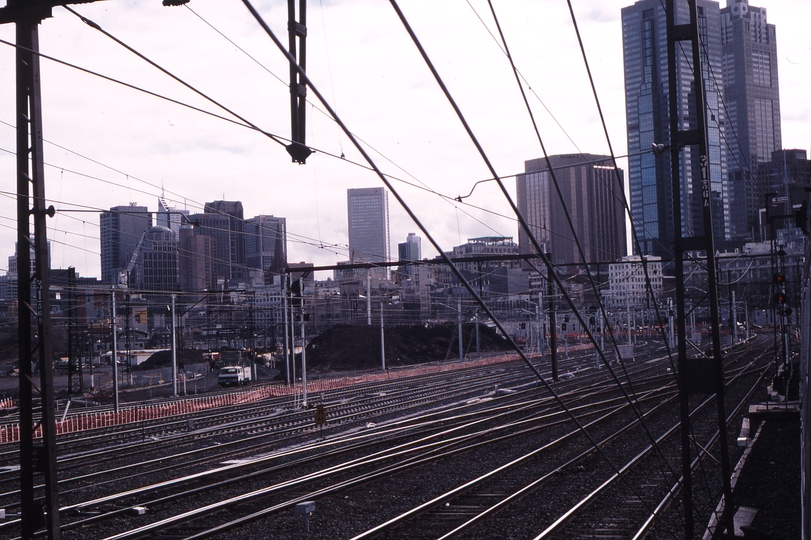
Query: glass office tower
<point x="644" y="34"/>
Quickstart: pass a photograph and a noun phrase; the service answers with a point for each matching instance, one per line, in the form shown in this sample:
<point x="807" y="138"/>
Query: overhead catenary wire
<point x="84" y="208"/>
<point x="422" y="185"/>
<point x="523" y="224"/>
<point x="220" y="117"/>
<point x="96" y="26"/>
<point x="530" y="88"/>
<point x="556" y="185"/>
<point x="395" y="193"/>
<point x="612" y="335"/>
<point x="634" y="236"/>
<point x="205" y="96"/>
<point x="299" y="238"/>
<point x="248" y="124"/>
<point x="416" y="220"/>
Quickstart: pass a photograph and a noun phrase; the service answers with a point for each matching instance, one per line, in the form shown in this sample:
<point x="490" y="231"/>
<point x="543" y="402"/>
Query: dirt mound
<point x="358" y="347"/>
<point x="164" y="359"/>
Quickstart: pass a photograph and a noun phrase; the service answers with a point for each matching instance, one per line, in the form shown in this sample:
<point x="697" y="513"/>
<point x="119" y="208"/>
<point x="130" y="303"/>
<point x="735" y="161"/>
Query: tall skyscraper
<point x="266" y="243"/>
<point x="170" y="217"/>
<point x="753" y="103"/>
<point x="217" y="227"/>
<point x="195" y="261"/>
<point x="593" y="196"/>
<point x="230" y="236"/>
<point x="122" y="230"/>
<point x="368" y="217"/>
<point x="644" y="36"/>
<point x="158" y="255"/>
<point x="410" y="250"/>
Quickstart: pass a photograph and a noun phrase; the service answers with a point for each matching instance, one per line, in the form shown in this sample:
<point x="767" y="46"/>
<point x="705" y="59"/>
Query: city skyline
<point x="195" y="158"/>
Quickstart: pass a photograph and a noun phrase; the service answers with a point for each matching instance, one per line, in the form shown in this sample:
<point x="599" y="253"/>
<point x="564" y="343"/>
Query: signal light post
<point x="782" y="310"/>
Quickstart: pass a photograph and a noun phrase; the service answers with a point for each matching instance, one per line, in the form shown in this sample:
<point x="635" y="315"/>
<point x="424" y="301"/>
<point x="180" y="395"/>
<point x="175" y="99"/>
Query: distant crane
<point x="124" y="277"/>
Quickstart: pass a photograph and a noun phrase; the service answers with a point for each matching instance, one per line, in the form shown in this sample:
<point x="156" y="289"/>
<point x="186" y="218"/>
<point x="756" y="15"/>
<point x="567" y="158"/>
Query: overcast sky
<point x="109" y="145"/>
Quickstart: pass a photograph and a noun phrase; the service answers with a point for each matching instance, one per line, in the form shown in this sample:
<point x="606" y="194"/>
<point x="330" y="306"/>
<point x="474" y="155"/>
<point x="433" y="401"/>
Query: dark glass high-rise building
<point x="217" y="227"/>
<point x="230" y="245"/>
<point x="195" y="261"/>
<point x="644" y="36"/>
<point x="368" y="217"/>
<point x="784" y="181"/>
<point x="593" y="196"/>
<point x="266" y="243"/>
<point x="158" y="256"/>
<point x="410" y="250"/>
<point x="122" y="229"/>
<point x="753" y="103"/>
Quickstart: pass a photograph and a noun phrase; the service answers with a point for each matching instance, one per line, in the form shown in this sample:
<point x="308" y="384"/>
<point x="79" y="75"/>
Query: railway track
<point x="394" y="442"/>
<point x="606" y="504"/>
<point x="351" y="405"/>
<point x="551" y="409"/>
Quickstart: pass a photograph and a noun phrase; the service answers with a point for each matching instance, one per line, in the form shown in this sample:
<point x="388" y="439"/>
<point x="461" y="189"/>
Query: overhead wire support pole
<point x="286" y="335"/>
<point x="75" y="376"/>
<point x="303" y="360"/>
<point x="174" y="346"/>
<point x="114" y="355"/>
<point x="692" y="372"/>
<point x="35" y="459"/>
<point x="297" y="42"/>
<point x="553" y="335"/>
<point x="368" y="298"/>
<point x="459" y="321"/>
<point x="382" y="341"/>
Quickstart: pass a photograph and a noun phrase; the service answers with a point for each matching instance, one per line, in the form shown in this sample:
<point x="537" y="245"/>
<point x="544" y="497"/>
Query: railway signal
<point x="306" y="508"/>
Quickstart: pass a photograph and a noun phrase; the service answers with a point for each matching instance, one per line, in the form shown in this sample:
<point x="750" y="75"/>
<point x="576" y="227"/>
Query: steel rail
<point x="420" y="400"/>
<point x="487" y="431"/>
<point x="434" y="451"/>
<point x="434" y="503"/>
<point x="547" y="398"/>
<point x="676" y="488"/>
<point x="591" y="497"/>
<point x="463" y="489"/>
<point x="558" y="412"/>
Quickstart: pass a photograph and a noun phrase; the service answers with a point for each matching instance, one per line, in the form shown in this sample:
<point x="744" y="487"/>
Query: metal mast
<point x="696" y="375"/>
<point x="75" y="376"/>
<point x="297" y="38"/>
<point x="36" y="458"/>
